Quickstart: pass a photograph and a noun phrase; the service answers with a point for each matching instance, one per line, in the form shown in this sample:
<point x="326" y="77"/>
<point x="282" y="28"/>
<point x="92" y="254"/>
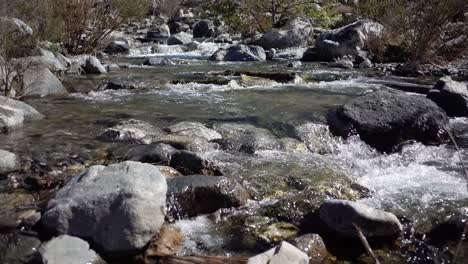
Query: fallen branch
<point x="366" y="244"/>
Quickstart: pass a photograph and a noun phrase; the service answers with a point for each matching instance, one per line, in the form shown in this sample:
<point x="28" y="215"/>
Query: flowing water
<point x="420" y="182"/>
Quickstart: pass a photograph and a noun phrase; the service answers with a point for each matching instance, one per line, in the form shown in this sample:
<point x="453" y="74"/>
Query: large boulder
<point x="181" y="38"/>
<point x="8" y="162"/>
<point x="385" y="119"/>
<point x="18" y="28"/>
<point x="117" y="47"/>
<point x="199" y="194"/>
<point x="347" y="40"/>
<point x="451" y="96"/>
<point x="93" y="66"/>
<point x="296" y="33"/>
<point x="118" y="208"/>
<point x="68" y="249"/>
<point x="10" y="118"/>
<point x="283" y="253"/>
<point x="204" y="29"/>
<point x="342" y="217"/>
<point x="42" y="82"/>
<point x="240" y="53"/>
<point x="28" y="111"/>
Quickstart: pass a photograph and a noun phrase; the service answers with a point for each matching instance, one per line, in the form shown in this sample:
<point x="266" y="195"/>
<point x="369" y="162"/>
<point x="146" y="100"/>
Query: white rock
<point x="281" y="254"/>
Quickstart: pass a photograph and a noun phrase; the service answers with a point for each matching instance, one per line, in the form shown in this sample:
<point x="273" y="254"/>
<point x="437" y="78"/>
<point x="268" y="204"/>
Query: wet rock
<point x="313" y="245"/>
<point x="204" y="29"/>
<point x="270" y="54"/>
<point x="283" y="253"/>
<point x="247" y="138"/>
<point x="68" y="249"/>
<point x="250" y="81"/>
<point x="193" y="195"/>
<point x="283" y="77"/>
<point x="168" y="242"/>
<point x="240" y="53"/>
<point x="16" y="248"/>
<point x="365" y="64"/>
<point x="194" y="144"/>
<point x="112" y="67"/>
<point x="117" y="84"/>
<point x="181" y="38"/>
<point x="12" y="208"/>
<point x="28" y="111"/>
<point x="9" y="162"/>
<point x="451" y="230"/>
<point x="131" y="131"/>
<point x="451" y="96"/>
<point x="169" y="172"/>
<point x="157" y="61"/>
<point x="294" y="64"/>
<point x="386" y="119"/>
<point x="347" y="40"/>
<point x="159" y="31"/>
<point x="41" y="82"/>
<point x="194" y="129"/>
<point x="185" y="162"/>
<point x="340" y="216"/>
<point x="93" y="66"/>
<point x="296" y="33"/>
<point x="117" y="47"/>
<point x="119" y="208"/>
<point x="18" y="28"/>
<point x="10" y="119"/>
<point x="293" y="145"/>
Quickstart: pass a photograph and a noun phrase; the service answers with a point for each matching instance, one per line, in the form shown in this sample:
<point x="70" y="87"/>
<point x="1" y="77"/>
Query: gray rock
<point x="199" y="194"/>
<point x="296" y="33"/>
<point x="158" y="61"/>
<point x="340" y="216"/>
<point x="270" y="55"/>
<point x="247" y="138"/>
<point x="186" y="162"/>
<point x="18" y="249"/>
<point x="9" y="162"/>
<point x="240" y="53"/>
<point x="68" y="249"/>
<point x="384" y="120"/>
<point x="133" y="131"/>
<point x="18" y="28"/>
<point x="28" y="111"/>
<point x="313" y="245"/>
<point x="119" y="208"/>
<point x="294" y="64"/>
<point x="451" y="96"/>
<point x="93" y="66"/>
<point x="42" y="82"/>
<point x="283" y="253"/>
<point x="347" y="40"/>
<point x="117" y="47"/>
<point x="194" y="129"/>
<point x="159" y="31"/>
<point x="317" y="137"/>
<point x="66" y="63"/>
<point x="204" y="29"/>
<point x="10" y="118"/>
<point x="365" y="64"/>
<point x="181" y="38"/>
<point x="112" y="67"/>
<point x="44" y="59"/>
<point x="343" y="63"/>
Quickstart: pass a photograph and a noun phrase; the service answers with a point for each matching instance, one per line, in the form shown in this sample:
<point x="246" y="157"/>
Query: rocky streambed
<point x="229" y="159"/>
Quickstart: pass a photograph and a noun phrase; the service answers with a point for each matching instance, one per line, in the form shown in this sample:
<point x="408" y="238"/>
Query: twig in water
<point x="366" y="244"/>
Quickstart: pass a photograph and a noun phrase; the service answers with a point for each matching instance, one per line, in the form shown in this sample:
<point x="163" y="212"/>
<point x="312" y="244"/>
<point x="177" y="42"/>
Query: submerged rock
<point x="247" y="138"/>
<point x="194" y="129"/>
<point x="240" y="53"/>
<point x="193" y="195"/>
<point x="186" y="162"/>
<point x="16" y="248"/>
<point x="340" y="216"/>
<point x="68" y="249"/>
<point x="347" y="40"/>
<point x="451" y="96"/>
<point x="9" y="162"/>
<point x="283" y="253"/>
<point x="296" y="33"/>
<point x="119" y="208"/>
<point x="385" y="120"/>
<point x="204" y="29"/>
<point x="132" y="131"/>
<point x="317" y="137"/>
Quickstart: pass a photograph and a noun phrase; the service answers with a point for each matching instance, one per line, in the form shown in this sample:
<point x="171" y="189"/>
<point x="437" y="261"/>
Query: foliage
<point x="416" y="26"/>
<point x="324" y="17"/>
<point x="168" y="8"/>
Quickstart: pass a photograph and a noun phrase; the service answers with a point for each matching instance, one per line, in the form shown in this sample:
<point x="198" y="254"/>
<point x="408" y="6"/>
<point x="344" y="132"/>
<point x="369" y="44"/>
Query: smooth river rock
<point x="340" y="216"/>
<point x="385" y="119"/>
<point x="194" y="129"/>
<point x="131" y="131"/>
<point x="68" y="249"/>
<point x="118" y="208"/>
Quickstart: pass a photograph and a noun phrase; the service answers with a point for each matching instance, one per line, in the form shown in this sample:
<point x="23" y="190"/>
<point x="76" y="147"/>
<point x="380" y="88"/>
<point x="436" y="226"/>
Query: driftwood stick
<point x="366" y="244"/>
